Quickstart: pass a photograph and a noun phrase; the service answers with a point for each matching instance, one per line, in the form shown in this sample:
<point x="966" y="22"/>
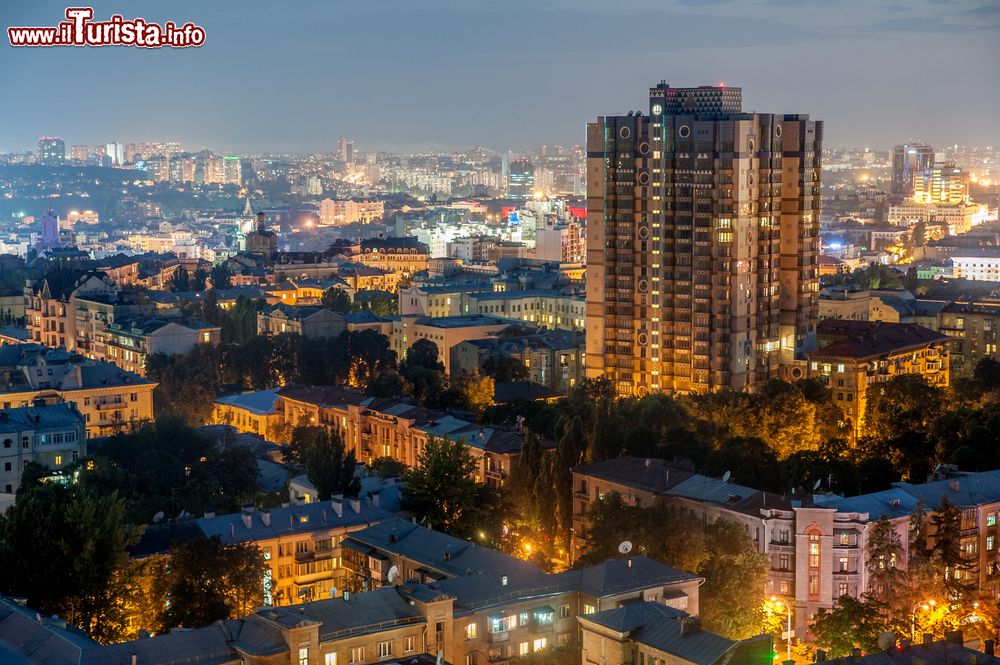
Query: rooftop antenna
<point x="625" y="547"/>
<point x="726" y="476"/>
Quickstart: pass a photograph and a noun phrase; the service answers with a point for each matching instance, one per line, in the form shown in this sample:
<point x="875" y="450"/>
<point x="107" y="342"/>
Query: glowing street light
<point x="925" y="605"/>
<point x="788" y="635"/>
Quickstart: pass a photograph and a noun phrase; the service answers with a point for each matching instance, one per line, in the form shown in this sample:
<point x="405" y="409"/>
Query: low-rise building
<point x="817" y="544"/>
<point x="650" y="632"/>
<point x="53" y="435"/>
<point x="129" y="342"/>
<point x="445" y="332"/>
<point x="108" y="397"/>
<point x="973" y="328"/>
<point x="555" y="358"/>
<point x="404" y="256"/>
<point x="256" y="412"/>
<point x="853" y="355"/>
<point x="305" y="320"/>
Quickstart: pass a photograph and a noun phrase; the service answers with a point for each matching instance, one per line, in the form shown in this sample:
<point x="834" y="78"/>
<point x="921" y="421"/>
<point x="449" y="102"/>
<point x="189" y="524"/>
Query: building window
<point x="842" y="589"/>
<point x="470" y="659"/>
<point x="470" y="631"/>
<point x="357" y="655"/>
<point x="58" y="460"/>
<point x="384" y="649"/>
<point x="522" y="649"/>
<point x="588" y="609"/>
<point x="989" y="543"/>
<point x="407" y="645"/>
<point x="564" y="611"/>
<point x="991" y="519"/>
<point x="330" y="659"/>
<point x="540" y="644"/>
<point x="303" y="655"/>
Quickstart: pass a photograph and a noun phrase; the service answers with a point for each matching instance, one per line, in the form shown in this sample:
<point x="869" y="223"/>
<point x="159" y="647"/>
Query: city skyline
<point x="450" y="76"/>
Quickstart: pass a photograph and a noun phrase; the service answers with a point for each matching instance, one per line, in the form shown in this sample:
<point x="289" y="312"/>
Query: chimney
<point x="355" y="505"/>
<point x="247" y="518"/>
<point x="928" y="639"/>
<point x="690" y="625"/>
<point x="375" y="499"/>
<point x="338" y="507"/>
<point x="989" y="647"/>
<point x="954" y="636"/>
<point x="135" y="659"/>
<point x="855" y="654"/>
<point x="820" y="655"/>
<point x="209" y="515"/>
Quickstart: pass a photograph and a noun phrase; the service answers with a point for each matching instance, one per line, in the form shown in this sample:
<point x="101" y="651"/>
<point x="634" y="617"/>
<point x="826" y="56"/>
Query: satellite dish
<point x="625" y="547"/>
<point x="158" y="517"/>
<point x="726" y="476"/>
<point x="393" y="574"/>
<point x="816" y="484"/>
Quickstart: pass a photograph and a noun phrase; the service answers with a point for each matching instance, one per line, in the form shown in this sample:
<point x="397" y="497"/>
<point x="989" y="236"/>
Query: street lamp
<point x="788" y="634"/>
<point x="925" y="605"/>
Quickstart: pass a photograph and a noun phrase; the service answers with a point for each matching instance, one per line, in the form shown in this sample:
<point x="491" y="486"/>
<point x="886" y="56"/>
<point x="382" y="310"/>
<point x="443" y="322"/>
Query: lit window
<point x="991" y="519"/>
<point x="330" y="659"/>
<point x="589" y="609"/>
<point x="384" y="649"/>
<point x="58" y="460"/>
<point x="470" y="631"/>
<point x="357" y="655"/>
<point x="540" y="644"/>
<point x="303" y="655"/>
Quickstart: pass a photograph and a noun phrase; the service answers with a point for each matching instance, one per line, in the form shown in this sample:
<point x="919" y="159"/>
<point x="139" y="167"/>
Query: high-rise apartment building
<point x="521" y="179"/>
<point x="79" y="153"/>
<point x="942" y="183"/>
<point x="702" y="242"/>
<point x="345" y="148"/>
<point x="51" y="150"/>
<point x="907" y="161"/>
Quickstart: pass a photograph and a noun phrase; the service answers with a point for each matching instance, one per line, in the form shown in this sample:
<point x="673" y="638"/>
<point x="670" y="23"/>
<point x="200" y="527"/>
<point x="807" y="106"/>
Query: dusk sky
<point x="411" y="74"/>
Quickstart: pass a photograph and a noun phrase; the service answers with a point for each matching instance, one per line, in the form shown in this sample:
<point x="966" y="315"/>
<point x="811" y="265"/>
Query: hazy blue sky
<point x="295" y="74"/>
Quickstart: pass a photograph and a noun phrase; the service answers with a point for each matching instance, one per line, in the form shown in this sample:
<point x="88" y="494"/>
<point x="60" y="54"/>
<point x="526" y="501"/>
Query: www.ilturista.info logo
<point x="80" y="30"/>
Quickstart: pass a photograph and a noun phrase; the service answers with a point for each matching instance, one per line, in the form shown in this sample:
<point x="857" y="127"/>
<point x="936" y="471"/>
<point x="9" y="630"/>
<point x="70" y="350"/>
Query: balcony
<point x="110" y="406"/>
<point x="502" y="636"/>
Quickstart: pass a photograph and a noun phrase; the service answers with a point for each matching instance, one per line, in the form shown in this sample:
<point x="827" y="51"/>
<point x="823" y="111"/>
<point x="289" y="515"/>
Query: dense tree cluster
<point x="169" y="467"/>
<point x="329" y="467"/>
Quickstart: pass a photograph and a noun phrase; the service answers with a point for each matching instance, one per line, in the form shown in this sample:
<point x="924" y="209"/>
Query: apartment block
<point x="53" y="435"/>
<point x="554" y="359"/>
<point x="855" y="355"/>
<point x="130" y="341"/>
<point x="308" y="321"/>
<point x="404" y="256"/>
<point x="108" y="397"/>
<point x="702" y="242"/>
<point x="816" y="543"/>
<point x="49" y="305"/>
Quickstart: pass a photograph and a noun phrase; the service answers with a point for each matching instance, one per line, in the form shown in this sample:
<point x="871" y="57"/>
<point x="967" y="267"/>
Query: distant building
<point x="333" y="212"/>
<point x="130" y="341"/>
<point x="942" y="183"/>
<point x="51" y="151"/>
<point x="262" y="241"/>
<point x="521" y="179"/>
<point x="907" y="161"/>
<point x="552" y="359"/>
<point x="308" y="321"/>
<point x="52" y="435"/>
<point x="256" y="412"/>
<point x="49" y="304"/>
<point x="404" y="256"/>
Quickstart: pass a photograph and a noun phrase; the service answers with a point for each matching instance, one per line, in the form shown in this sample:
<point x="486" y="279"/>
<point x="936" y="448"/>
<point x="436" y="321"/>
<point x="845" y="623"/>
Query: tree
<point x="851" y="624"/>
<point x="368" y="355"/>
<point x="735" y="577"/>
<point x="199" y="279"/>
<point x="955" y="569"/>
<point x="477" y="392"/>
<point x="505" y="369"/>
<point x="209" y="581"/>
<point x="337" y="300"/>
<point x="219" y="276"/>
<point x="180" y="281"/>
<point x="61" y="547"/>
<point x="442" y="488"/>
<point x="187" y="385"/>
<point x="885" y="554"/>
<point x="330" y="468"/>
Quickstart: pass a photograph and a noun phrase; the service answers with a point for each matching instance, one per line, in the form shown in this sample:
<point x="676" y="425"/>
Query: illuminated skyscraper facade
<point x="907" y="161"/>
<point x="51" y="150"/>
<point x="702" y="243"/>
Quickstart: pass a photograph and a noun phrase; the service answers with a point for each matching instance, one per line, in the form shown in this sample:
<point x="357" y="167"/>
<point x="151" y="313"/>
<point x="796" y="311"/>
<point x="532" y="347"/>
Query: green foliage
<point x="877" y="276"/>
<point x="220" y="277"/>
<point x="338" y="300"/>
<point x="170" y="467"/>
<point x="505" y="369"/>
<point x="187" y="384"/>
<point x="199" y="279"/>
<point x="61" y="547"/>
<point x="851" y="624"/>
<point x="208" y="581"/>
<point x="181" y="280"/>
<point x="732" y="598"/>
<point x="442" y="489"/>
<point x="330" y="468"/>
<point x="387" y="467"/>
